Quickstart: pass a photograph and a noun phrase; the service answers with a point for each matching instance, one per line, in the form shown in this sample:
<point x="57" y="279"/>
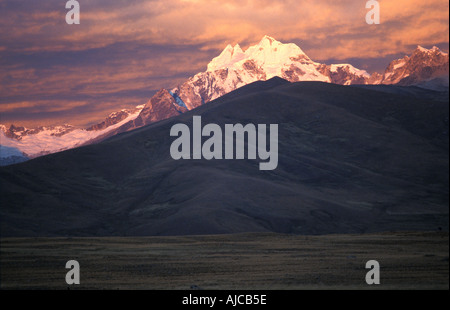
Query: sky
<point x="122" y="52"/>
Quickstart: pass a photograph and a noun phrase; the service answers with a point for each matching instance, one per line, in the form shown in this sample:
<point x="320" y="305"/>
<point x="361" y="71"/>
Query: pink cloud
<point x="188" y="33"/>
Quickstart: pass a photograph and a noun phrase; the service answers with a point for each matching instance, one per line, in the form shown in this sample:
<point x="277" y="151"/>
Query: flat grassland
<point x="408" y="260"/>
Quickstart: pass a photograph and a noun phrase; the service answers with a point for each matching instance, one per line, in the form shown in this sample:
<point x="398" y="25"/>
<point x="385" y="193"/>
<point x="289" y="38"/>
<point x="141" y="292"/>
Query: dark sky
<point x="124" y="51"/>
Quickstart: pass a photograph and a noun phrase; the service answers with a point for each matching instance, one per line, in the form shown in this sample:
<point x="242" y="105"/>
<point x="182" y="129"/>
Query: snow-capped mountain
<point x="164" y="104"/>
<point x="19" y="132"/>
<point x="424" y="64"/>
<point x="234" y="68"/>
<point x="40" y="141"/>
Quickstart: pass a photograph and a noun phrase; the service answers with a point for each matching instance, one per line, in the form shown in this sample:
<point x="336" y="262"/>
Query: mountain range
<point x="232" y="69"/>
<point x="352" y="159"/>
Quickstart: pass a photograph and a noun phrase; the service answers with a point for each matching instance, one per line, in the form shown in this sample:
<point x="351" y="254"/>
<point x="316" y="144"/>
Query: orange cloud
<point x="122" y="46"/>
<point x="215" y="23"/>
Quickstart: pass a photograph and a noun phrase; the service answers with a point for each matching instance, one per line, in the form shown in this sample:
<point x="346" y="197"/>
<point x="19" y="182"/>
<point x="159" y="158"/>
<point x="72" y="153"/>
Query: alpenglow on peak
<point x="268" y="52"/>
<point x="269" y="58"/>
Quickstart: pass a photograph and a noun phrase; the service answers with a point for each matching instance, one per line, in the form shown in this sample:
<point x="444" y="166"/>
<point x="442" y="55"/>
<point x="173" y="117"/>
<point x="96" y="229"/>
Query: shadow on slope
<point x="351" y="160"/>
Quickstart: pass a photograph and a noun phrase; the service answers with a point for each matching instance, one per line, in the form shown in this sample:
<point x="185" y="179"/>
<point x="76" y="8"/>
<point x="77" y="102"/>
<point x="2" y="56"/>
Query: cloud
<point x="141" y="46"/>
<point x="215" y="23"/>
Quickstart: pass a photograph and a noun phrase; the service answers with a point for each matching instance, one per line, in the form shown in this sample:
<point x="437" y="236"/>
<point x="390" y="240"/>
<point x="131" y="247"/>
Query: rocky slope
<point x="424" y="64"/>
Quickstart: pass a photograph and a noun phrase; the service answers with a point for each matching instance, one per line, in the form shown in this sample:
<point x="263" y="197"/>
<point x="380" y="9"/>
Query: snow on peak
<point x="422" y="49"/>
<point x="229" y="56"/>
<point x="57" y="138"/>
<point x="351" y="69"/>
<point x="267" y="53"/>
<point x="271" y="51"/>
<point x="437" y="50"/>
<point x="434" y="49"/>
<point x="269" y="41"/>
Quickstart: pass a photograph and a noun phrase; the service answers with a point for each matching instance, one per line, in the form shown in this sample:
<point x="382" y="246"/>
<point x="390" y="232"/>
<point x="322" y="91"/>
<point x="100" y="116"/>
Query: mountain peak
<point x="270" y="54"/>
<point x="161" y="106"/>
<point x="269" y="58"/>
<point x="227" y="58"/>
<point x="423" y="64"/>
<point x="421" y="49"/>
<point x="268" y="40"/>
<point x="434" y="50"/>
<point x="268" y="51"/>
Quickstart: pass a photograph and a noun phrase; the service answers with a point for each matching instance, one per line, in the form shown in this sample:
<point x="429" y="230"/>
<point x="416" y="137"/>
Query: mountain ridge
<point x="390" y="174"/>
<point x="231" y="69"/>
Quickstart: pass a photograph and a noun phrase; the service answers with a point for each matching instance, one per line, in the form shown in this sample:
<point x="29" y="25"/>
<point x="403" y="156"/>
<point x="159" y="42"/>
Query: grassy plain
<point x="409" y="260"/>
